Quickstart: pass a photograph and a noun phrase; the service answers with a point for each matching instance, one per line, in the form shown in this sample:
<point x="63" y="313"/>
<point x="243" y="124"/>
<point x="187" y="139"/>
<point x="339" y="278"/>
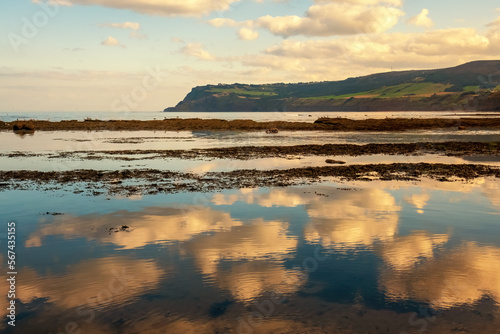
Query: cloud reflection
<point x="94" y="283"/>
<point x="151" y="225"/>
<point x="461" y="276"/>
<point x="252" y="257"/>
<point x="259" y="241"/>
<point x="339" y="219"/>
<point x="248" y="280"/>
<point x="403" y="253"/>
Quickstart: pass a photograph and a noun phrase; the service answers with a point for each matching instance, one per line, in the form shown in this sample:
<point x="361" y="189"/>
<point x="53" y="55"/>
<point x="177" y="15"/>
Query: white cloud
<point x="111" y="41"/>
<point x="177" y="40"/>
<point x="224" y="22"/>
<point x="388" y="48"/>
<point x="348" y="56"/>
<point x="160" y="7"/>
<point x="396" y="3"/>
<point x="422" y="19"/>
<point x="197" y="50"/>
<point x="124" y="25"/>
<point x="247" y="34"/>
<point x="334" y="19"/>
<point x="494" y="24"/>
<point x="461" y="276"/>
<point x="138" y="35"/>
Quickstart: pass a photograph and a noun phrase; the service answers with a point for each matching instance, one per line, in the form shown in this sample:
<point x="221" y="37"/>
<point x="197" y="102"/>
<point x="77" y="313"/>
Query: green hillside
<point x="473" y="78"/>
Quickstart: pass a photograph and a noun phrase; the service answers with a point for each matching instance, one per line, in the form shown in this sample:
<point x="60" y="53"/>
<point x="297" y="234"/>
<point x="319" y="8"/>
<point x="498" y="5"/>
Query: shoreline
<point x="196" y="124"/>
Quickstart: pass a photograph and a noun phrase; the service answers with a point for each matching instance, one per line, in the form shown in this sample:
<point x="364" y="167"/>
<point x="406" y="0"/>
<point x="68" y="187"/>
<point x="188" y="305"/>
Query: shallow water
<point x="257" y="116"/>
<point x="336" y="257"/>
<point x="199" y="166"/>
<point x="46" y="141"/>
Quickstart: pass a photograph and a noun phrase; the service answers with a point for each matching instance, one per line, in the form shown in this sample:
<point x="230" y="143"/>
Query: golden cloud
<point x="461" y="276"/>
<point x="248" y="280"/>
<point x="93" y="283"/>
<point x="151" y="225"/>
<point x="158" y="7"/>
<point x="259" y="241"/>
<point x="403" y="253"/>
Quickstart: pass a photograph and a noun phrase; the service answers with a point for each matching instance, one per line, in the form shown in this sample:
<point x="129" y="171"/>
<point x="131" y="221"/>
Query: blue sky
<point x="100" y="55"/>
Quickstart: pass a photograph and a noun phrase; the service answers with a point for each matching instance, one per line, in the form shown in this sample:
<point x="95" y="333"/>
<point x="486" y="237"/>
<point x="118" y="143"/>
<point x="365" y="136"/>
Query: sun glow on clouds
<point x="124" y="25"/>
<point x="422" y="20"/>
<point x="159" y="7"/>
<point x="111" y="41"/>
<point x="272" y="41"/>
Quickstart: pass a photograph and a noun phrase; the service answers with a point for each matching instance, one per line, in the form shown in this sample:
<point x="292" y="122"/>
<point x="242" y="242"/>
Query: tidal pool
<point x="68" y="141"/>
<point x="337" y="257"/>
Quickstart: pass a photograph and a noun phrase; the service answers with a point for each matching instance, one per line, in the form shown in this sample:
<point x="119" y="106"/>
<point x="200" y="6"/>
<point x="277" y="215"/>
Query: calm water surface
<point x="381" y="257"/>
<point x="47" y="141"/>
<point x="257" y="116"/>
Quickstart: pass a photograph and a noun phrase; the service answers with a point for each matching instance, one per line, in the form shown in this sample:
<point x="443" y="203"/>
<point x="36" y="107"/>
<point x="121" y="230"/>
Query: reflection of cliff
<point x="147" y="226"/>
<point x="461" y="276"/>
<point x="94" y="283"/>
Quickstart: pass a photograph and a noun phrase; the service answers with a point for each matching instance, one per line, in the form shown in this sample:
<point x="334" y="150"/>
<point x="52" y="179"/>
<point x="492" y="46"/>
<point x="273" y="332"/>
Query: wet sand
<point x="337" y="124"/>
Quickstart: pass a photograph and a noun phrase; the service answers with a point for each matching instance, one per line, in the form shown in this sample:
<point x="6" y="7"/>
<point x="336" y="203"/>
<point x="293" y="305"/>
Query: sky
<point x="146" y="55"/>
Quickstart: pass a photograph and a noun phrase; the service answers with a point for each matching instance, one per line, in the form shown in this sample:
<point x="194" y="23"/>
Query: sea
<point x="333" y="256"/>
<point x="256" y="116"/>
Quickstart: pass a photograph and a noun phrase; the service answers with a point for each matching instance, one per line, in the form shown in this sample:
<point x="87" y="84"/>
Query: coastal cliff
<point x="473" y="86"/>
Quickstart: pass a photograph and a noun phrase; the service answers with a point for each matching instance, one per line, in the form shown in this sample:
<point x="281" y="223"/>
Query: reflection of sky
<point x="171" y="140"/>
<point x="390" y="247"/>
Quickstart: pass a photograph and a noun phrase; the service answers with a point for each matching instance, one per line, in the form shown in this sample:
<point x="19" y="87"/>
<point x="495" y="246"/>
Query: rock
<point x="462" y="128"/>
<point x="23" y="127"/>
<point x="272" y="130"/>
<point x="337" y="162"/>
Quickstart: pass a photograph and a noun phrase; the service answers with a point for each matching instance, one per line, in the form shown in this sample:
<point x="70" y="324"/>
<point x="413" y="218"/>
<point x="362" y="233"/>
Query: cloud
<point x="88" y="279"/>
<point x="419" y="201"/>
<point x="405" y="252"/>
<point x="421" y="20"/>
<point x="224" y="22"/>
<point x="339" y="221"/>
<point x="347" y="56"/>
<point x="334" y="18"/>
<point x="111" y="41"/>
<point x="124" y="25"/>
<point x="177" y="40"/>
<point x="494" y="24"/>
<point x="197" y="50"/>
<point x="247" y="281"/>
<point x="160" y="7"/>
<point x="153" y="227"/>
<point x="396" y="3"/>
<point x="460" y="276"/>
<point x="247" y="34"/>
<point x="358" y="220"/>
<point x="138" y="35"/>
<point x="261" y="240"/>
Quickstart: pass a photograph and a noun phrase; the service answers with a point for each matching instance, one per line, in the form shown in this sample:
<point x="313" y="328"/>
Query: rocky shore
<point x="257" y="152"/>
<point x="322" y="124"/>
<point x="150" y="181"/>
